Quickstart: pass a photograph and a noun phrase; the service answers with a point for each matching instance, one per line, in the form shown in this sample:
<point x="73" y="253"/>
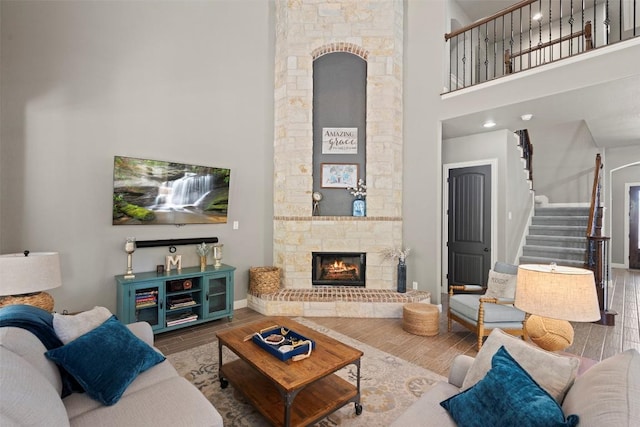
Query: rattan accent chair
<point x="481" y="314"/>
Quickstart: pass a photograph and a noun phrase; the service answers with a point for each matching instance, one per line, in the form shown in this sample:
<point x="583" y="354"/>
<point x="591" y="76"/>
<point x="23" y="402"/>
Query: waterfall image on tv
<point x="159" y="192"/>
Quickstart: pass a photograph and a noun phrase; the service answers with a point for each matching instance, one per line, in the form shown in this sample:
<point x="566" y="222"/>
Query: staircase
<point x="557" y="234"/>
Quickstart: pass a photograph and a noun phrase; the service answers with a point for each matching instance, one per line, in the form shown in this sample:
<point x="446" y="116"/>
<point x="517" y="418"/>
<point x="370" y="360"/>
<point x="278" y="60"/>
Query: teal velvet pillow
<point x="106" y="360"/>
<point x="507" y="396"/>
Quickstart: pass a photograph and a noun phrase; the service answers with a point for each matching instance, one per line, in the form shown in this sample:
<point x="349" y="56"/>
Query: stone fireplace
<point x="338" y="268"/>
<point x="306" y="30"/>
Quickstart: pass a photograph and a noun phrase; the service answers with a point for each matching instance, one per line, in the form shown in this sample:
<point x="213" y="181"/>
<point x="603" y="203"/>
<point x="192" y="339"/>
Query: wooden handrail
<point x="490" y="18"/>
<point x="588" y="45"/>
<point x="547" y="44"/>
<point x="594" y="195"/>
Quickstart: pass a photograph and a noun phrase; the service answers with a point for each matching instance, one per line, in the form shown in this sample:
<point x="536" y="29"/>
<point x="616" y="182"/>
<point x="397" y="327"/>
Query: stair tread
<point x="569" y="238"/>
<point x="576" y="227"/>
<point x="526" y="259"/>
<point x="555" y="248"/>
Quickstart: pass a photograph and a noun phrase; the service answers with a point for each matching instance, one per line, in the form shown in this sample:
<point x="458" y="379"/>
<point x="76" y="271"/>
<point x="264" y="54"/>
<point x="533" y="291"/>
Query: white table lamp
<point x="552" y="296"/>
<point x="24" y="277"/>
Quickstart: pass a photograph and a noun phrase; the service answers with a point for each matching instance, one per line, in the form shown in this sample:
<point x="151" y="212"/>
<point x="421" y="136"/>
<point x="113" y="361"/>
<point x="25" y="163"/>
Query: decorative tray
<point x="288" y="344"/>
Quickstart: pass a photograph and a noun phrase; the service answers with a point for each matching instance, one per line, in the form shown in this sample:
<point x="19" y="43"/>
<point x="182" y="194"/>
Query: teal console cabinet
<point x="176" y="299"/>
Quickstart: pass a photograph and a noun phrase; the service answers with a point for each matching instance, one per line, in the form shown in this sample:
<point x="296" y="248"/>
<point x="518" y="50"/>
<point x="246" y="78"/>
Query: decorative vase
<point x="359" y="206"/>
<point x="203" y="263"/>
<point x="402" y="276"/>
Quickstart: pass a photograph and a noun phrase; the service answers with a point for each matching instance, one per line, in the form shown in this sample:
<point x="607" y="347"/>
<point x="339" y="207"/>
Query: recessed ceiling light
<point x="489" y="124"/>
<point x="526" y="117"/>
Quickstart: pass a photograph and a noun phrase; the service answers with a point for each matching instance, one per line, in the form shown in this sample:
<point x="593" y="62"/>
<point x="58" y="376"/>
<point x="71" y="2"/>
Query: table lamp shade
<point x="20" y="274"/>
<point x="557" y="292"/>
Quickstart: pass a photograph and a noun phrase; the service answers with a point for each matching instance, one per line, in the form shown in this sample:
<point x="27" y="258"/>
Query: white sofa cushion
<point x="28" y="346"/>
<point x="608" y="394"/>
<point x="27" y="397"/>
<point x="427" y="411"/>
<point x="156" y="406"/>
<point x="69" y="327"/>
<point x="553" y="372"/>
<point x="79" y="403"/>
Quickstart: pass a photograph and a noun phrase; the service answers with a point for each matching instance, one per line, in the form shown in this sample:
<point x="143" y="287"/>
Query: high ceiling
<point x="610" y="110"/>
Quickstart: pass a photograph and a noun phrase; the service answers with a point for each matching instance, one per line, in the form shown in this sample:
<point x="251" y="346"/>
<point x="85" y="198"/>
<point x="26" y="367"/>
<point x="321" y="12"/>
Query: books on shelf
<point x="181" y="318"/>
<point x="182" y="301"/>
<point x="146" y="299"/>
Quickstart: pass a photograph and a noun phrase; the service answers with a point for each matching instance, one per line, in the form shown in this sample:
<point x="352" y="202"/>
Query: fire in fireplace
<point x="338" y="268"/>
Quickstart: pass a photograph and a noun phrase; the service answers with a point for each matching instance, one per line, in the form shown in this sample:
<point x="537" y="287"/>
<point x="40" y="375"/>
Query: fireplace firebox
<point x="338" y="268"/>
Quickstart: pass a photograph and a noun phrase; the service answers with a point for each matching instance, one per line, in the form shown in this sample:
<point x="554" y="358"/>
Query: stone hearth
<point x="335" y="301"/>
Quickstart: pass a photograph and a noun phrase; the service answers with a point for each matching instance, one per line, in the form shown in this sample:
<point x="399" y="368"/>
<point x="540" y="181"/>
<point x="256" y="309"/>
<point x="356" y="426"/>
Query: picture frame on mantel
<point x="339" y="175"/>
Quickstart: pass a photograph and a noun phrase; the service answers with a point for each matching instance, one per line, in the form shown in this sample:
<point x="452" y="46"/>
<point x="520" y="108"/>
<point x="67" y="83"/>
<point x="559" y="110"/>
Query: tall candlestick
<point x="129" y="248"/>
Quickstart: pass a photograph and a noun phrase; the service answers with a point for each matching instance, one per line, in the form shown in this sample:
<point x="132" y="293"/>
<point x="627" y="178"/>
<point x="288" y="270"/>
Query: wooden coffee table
<point x="290" y="393"/>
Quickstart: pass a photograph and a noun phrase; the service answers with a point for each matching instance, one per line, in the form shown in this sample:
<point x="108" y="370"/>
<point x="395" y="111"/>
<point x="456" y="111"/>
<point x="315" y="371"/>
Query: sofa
<point x="32" y="383"/>
<point x="606" y="393"/>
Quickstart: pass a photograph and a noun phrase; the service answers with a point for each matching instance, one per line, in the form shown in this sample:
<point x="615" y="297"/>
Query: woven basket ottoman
<point x="420" y="319"/>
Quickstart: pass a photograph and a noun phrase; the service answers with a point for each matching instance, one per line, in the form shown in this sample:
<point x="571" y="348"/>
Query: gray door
<point x="634" y="227"/>
<point x="469" y="219"/>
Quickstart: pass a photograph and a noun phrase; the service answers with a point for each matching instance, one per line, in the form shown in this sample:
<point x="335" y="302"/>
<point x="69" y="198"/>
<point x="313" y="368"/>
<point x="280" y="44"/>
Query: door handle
<point x="486" y="249"/>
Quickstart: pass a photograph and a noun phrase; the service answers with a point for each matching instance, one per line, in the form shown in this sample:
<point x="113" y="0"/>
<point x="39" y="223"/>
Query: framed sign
<point x="339" y="175"/>
<point x="339" y="140"/>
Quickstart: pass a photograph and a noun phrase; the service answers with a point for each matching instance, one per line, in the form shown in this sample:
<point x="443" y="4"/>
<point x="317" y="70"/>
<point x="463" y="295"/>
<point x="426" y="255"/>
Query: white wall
<point x="81" y="81"/>
<point x="564" y="159"/>
<point x="423" y="65"/>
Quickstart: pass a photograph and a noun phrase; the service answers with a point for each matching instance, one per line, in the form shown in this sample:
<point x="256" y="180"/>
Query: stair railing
<point x="527" y="150"/>
<point x="598" y="246"/>
<point x="532" y="33"/>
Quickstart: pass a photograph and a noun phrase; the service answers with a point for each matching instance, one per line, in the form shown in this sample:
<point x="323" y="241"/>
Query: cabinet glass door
<point x="216" y="294"/>
<point x="147" y="305"/>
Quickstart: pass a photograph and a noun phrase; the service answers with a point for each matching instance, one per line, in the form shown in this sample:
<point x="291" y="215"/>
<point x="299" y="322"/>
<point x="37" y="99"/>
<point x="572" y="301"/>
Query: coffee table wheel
<point x="223" y="383"/>
<point x="358" y="409"/>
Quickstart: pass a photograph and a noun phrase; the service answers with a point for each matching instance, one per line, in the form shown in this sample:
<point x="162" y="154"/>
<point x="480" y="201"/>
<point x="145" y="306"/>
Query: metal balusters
<point x="606" y="23"/>
<point x="561" y="16"/>
<point x="464" y="58"/>
<point x="473" y="66"/>
<point x="550" y="40"/>
<point x="582" y="26"/>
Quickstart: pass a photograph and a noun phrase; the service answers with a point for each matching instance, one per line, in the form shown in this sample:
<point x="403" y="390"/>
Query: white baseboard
<point x="240" y="304"/>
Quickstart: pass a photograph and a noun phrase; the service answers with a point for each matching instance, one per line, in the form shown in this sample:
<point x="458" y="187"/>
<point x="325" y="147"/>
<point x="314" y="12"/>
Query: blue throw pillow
<point x="106" y="360"/>
<point x="507" y="396"/>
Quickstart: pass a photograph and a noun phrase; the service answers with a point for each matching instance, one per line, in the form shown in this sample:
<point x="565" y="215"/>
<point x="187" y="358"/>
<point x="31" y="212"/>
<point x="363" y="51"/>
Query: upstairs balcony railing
<point x="532" y="33"/>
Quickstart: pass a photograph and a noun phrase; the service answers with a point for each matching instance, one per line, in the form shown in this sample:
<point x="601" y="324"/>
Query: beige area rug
<point x="388" y="384"/>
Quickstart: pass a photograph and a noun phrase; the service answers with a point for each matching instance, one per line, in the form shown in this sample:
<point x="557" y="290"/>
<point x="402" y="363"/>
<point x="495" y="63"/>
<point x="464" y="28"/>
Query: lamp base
<point x="549" y="334"/>
<point x="38" y="299"/>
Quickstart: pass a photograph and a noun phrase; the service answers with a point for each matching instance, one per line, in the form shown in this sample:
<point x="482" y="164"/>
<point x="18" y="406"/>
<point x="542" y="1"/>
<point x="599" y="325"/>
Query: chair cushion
<point x="553" y="372"/>
<point x="468" y="305"/>
<point x="507" y="396"/>
<point x="106" y="360"/>
<point x="608" y="394"/>
<point x="503" y="267"/>
<point x="500" y="285"/>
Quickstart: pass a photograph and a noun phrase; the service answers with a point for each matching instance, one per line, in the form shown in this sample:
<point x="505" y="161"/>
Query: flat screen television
<point x="159" y="192"/>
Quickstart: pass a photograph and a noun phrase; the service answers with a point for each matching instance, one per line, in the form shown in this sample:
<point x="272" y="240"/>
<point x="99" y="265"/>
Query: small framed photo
<point x="339" y="175"/>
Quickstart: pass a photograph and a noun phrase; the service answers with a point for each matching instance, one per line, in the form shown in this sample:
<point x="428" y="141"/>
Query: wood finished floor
<point x="436" y="353"/>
